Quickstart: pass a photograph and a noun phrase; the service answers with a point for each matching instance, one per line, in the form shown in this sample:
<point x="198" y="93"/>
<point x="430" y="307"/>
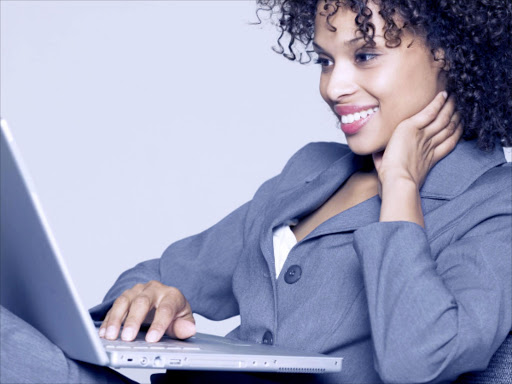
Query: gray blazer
<point x="398" y="302"/>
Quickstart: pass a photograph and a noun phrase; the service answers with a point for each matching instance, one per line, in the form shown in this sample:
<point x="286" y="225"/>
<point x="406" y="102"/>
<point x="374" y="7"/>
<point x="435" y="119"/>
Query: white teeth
<point x="350" y="118"/>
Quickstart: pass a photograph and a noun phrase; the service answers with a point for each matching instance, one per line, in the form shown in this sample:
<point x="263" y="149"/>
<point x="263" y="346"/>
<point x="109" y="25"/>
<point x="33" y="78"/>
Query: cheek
<point x="323" y="88"/>
<point x="404" y="89"/>
<point x="387" y="87"/>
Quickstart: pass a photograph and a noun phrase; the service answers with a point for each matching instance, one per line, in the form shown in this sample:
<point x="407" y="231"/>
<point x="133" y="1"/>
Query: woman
<point x="393" y="251"/>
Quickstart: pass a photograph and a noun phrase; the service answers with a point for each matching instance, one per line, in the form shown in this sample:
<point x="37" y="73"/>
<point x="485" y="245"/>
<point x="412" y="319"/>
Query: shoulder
<point x="322" y="151"/>
<point x="499" y="176"/>
<point x="493" y="188"/>
<point x="485" y="206"/>
<point x="304" y="165"/>
<point x="308" y="162"/>
<point x="465" y="169"/>
<point x="492" y="178"/>
<point x="314" y="158"/>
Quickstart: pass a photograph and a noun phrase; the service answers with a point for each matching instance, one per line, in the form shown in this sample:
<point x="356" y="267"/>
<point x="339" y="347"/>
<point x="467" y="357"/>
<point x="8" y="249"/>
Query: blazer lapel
<point x="351" y="219"/>
<point x="298" y="202"/>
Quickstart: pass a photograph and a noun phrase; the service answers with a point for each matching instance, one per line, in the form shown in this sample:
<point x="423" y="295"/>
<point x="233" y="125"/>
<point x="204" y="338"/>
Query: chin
<point x="364" y="147"/>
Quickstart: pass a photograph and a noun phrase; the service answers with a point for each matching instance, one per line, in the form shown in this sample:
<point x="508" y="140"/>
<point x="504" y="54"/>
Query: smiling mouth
<point x="353" y="117"/>
<point x="352" y="123"/>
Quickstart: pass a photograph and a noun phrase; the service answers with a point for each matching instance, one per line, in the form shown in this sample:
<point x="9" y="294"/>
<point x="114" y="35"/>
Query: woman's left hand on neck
<point x="416" y="145"/>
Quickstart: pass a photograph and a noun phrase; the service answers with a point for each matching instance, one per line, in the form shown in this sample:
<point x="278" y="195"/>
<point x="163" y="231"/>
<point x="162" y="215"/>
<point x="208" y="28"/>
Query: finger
<point x="442" y="120"/>
<point x="184" y="327"/>
<point x="428" y="114"/>
<point x="448" y="145"/>
<point x="119" y="311"/>
<point x="167" y="309"/>
<point x="103" y="326"/>
<point x="140" y="307"/>
<point x="446" y="132"/>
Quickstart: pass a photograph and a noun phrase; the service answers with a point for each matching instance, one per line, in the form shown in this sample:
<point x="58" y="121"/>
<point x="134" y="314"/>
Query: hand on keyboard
<point x="162" y="307"/>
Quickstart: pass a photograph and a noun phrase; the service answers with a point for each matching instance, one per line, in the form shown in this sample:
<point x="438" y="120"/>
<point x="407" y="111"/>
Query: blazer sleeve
<point x="200" y="266"/>
<point x="434" y="317"/>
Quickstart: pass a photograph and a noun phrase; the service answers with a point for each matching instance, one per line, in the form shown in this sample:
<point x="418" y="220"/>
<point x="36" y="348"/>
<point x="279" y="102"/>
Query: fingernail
<point x="111" y="332"/>
<point x="189" y="328"/>
<point x="102" y="332"/>
<point x="128" y="334"/>
<point x="445" y="94"/>
<point x="152" y="336"/>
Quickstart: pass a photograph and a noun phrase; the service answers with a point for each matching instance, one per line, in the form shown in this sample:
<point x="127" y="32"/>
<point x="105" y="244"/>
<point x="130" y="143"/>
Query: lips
<point x="351" y="109"/>
<point x="354" y="117"/>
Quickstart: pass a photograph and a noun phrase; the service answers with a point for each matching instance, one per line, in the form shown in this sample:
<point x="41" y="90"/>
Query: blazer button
<point x="293" y="274"/>
<point x="268" y="338"/>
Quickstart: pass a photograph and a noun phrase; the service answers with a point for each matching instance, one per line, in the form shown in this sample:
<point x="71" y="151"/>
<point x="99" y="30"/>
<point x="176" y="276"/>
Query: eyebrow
<point x="346" y="43"/>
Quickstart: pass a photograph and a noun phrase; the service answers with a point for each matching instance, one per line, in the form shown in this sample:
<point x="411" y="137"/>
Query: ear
<point x="439" y="59"/>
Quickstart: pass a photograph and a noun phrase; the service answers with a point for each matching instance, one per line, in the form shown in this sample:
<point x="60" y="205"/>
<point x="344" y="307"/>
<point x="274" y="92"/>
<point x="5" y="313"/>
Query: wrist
<point x="399" y="185"/>
<point x="396" y="179"/>
<point x="401" y="201"/>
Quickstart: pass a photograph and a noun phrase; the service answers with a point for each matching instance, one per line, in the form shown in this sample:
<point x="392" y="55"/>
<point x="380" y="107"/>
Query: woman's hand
<point x="416" y="145"/>
<point x="163" y="307"/>
<point x="419" y="142"/>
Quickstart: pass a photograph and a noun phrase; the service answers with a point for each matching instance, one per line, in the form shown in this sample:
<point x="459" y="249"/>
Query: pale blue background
<point x="145" y="122"/>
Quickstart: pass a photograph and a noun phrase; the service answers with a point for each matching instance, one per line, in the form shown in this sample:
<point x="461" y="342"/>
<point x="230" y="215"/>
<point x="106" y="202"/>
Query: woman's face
<point x="384" y="86"/>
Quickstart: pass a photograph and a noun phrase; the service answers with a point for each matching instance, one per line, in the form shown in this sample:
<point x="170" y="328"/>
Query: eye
<point x="323" y="62"/>
<point x="365" y="57"/>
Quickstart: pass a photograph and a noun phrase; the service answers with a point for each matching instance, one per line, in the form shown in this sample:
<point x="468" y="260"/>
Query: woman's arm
<point x="434" y="317"/>
<point x="195" y="272"/>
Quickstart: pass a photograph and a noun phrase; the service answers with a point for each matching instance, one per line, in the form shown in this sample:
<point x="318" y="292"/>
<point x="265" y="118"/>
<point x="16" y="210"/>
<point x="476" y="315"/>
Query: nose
<point x="340" y="83"/>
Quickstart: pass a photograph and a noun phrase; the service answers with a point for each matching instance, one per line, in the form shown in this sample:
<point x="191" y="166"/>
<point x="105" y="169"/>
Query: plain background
<point x="143" y="122"/>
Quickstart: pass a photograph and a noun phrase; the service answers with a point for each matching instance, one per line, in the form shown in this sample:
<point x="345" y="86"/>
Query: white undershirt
<point x="284" y="240"/>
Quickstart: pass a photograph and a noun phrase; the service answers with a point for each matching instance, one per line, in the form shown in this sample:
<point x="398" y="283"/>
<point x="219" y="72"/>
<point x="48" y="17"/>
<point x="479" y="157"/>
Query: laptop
<point x="37" y="287"/>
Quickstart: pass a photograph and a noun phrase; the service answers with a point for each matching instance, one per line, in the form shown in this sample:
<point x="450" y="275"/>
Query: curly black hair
<point x="475" y="36"/>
